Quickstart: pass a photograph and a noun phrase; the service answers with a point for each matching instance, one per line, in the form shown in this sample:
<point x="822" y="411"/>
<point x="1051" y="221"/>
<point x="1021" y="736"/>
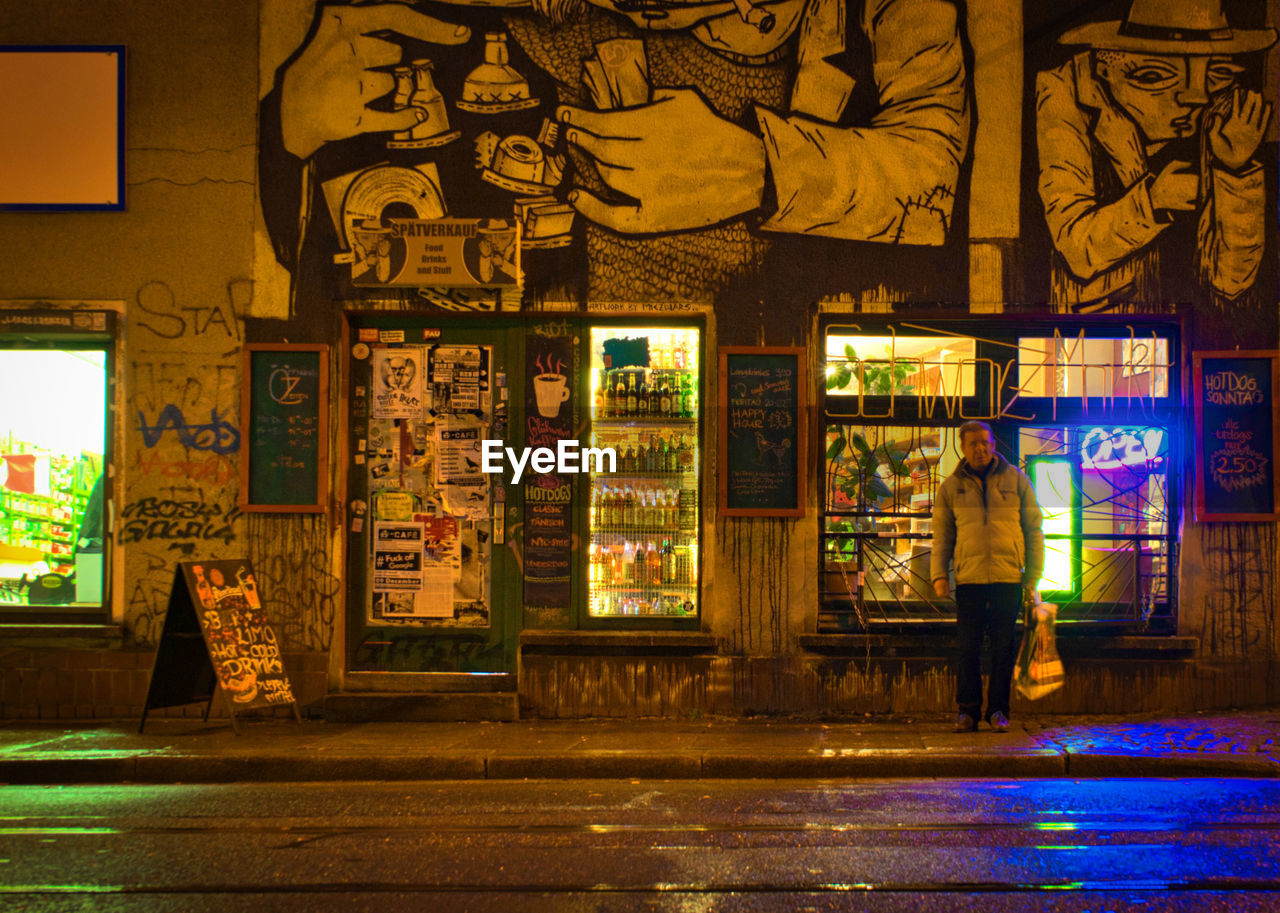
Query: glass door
<point x="643" y="520"/>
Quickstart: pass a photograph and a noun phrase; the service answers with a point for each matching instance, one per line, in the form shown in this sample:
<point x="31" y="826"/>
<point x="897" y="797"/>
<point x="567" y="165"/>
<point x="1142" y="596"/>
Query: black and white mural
<point x="1150" y="175"/>
<point x="646" y="150"/>
<point x="764" y="154"/>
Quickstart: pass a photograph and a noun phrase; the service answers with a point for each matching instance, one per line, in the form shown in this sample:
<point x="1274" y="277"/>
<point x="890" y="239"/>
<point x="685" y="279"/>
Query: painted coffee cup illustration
<point x="551" y="391"/>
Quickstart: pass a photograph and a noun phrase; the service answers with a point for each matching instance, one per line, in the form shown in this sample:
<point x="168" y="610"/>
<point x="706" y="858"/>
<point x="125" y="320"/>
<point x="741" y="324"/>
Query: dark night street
<point x="918" y="845"/>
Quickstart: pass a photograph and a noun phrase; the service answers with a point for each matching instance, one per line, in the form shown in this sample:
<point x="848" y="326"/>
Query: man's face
<point x="1165" y="94"/>
<point x="978" y="448"/>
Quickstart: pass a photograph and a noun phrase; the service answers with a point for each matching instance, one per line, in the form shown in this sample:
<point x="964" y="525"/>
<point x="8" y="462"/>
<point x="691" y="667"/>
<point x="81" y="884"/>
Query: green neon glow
<point x="1056" y="494"/>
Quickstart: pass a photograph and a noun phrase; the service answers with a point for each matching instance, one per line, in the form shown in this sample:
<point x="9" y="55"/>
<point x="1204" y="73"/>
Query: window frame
<point x="81" y="328"/>
<point x="1000" y="402"/>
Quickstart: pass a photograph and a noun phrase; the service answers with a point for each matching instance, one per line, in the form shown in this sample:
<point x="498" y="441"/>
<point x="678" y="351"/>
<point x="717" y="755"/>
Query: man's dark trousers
<point x="992" y="609"/>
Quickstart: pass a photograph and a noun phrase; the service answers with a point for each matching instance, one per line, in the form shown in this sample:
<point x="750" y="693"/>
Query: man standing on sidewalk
<point x="986" y="517"/>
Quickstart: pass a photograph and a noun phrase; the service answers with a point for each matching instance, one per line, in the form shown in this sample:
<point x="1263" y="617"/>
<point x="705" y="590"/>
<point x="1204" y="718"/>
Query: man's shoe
<point x="999" y="722"/>
<point x="965" y="723"/>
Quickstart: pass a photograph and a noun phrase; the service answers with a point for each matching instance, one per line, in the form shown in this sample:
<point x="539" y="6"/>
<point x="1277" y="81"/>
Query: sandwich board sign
<point x="217" y="637"/>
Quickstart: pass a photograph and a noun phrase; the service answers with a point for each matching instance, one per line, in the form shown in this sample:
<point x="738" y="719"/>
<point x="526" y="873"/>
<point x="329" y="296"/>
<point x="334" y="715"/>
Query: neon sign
<point x="1103" y="448"/>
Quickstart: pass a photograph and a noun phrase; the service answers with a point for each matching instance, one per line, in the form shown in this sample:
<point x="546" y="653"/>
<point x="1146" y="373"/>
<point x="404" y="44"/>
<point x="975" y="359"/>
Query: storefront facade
<point x="421" y="585"/>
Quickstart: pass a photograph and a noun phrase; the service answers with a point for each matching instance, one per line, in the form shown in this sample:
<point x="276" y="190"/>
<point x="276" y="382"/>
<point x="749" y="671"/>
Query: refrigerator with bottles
<point x="643" y="517"/>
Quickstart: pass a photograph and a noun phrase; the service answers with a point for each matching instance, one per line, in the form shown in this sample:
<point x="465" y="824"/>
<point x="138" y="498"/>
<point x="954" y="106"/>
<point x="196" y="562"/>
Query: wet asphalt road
<point x="914" y="846"/>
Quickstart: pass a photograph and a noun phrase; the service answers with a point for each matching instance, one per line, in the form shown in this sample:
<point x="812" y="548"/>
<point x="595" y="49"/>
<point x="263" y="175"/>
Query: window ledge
<point x="62" y="636"/>
<point x="619" y="642"/>
<point x="1161" y="646"/>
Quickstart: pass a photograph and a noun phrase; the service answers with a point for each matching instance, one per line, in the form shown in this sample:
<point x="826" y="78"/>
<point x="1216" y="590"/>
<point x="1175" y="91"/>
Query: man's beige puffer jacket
<point x="991" y="527"/>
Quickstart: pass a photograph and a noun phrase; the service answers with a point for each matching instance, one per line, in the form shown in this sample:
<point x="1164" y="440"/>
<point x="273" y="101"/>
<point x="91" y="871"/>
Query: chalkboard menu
<point x="284" y="428"/>
<point x="762" y="432"/>
<point x="550" y="400"/>
<point x="1237" y="435"/>
<point x="216" y="632"/>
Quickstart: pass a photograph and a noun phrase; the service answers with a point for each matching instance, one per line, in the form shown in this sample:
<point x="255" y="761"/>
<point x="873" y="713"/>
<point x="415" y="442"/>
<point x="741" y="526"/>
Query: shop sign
<point x="762" y="431"/>
<point x="480" y="253"/>
<point x="1237" y="434"/>
<point x="1120" y="448"/>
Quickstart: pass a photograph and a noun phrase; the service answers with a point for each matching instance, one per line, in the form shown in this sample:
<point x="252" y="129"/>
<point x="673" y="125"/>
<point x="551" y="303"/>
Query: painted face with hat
<point x="1171" y="59"/>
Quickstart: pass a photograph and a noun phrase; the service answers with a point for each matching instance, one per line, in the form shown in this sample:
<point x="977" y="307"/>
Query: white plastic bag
<point x="1039" y="670"/>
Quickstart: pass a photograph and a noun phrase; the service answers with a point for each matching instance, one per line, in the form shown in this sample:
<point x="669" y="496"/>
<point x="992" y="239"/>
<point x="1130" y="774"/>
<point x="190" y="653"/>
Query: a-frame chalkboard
<point x="216" y="635"/>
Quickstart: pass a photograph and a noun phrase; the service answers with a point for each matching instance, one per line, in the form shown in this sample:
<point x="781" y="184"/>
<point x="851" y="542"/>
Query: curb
<point x="579" y="764"/>
<point x="1176" y="764"/>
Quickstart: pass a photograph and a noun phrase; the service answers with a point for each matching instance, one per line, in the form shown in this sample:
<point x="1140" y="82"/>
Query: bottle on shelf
<point x="629" y="459"/>
<point x="642" y="397"/>
<point x="653" y="564"/>
<point x="640" y="566"/>
<point x="628" y="507"/>
<point x="602" y="498"/>
<point x="664" y="397"/>
<point x="627" y="577"/>
<point x="661" y="350"/>
<point x="619" y="396"/>
<point x="668" y="563"/>
<point x="655" y="399"/>
<point x="610" y="397"/>
<point x="632" y="401"/>
<point x="688" y="404"/>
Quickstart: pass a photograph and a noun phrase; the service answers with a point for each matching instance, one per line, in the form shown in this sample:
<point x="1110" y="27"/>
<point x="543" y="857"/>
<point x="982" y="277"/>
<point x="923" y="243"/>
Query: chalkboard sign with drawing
<point x="284" y="428"/>
<point x="762" y="431"/>
<point x="1237" y="435"/>
<point x="216" y="633"/>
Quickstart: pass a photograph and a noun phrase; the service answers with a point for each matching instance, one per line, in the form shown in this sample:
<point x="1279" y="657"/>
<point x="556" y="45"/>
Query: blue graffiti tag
<point x="217" y="435"/>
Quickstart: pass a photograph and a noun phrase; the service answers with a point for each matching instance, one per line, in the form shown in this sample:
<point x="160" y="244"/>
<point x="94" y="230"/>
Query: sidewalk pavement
<point x="1240" y="744"/>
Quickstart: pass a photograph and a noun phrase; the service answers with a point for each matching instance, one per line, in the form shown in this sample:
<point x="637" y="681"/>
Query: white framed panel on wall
<point x="62" y="139"/>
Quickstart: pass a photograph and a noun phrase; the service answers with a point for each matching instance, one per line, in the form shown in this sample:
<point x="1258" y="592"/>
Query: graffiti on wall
<point x="1240" y="594"/>
<point x="293" y="561"/>
<point x="758" y="551"/>
<point x="181" y="443"/>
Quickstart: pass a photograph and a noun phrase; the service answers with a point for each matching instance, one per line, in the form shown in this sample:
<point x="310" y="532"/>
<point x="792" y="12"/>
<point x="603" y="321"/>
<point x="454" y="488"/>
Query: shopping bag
<point x="1039" y="670"/>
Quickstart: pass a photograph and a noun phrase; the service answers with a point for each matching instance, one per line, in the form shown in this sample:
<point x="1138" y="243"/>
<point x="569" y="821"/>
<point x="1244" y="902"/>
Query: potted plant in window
<point x="856" y="476"/>
<point x="855" y="479"/>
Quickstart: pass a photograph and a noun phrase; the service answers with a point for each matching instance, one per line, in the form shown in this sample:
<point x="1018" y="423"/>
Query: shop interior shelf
<point x="622" y="421"/>
<point x="640" y="587"/>
<point x="646" y="476"/>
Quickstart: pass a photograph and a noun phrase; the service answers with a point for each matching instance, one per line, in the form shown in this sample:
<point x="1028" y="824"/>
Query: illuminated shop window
<point x="1104" y="490"/>
<point x="1058" y="494"/>
<point x="928" y="366"/>
<point x="880" y="482"/>
<point x="1072" y="366"/>
<point x="1087" y="408"/>
<point x="52" y="446"/>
